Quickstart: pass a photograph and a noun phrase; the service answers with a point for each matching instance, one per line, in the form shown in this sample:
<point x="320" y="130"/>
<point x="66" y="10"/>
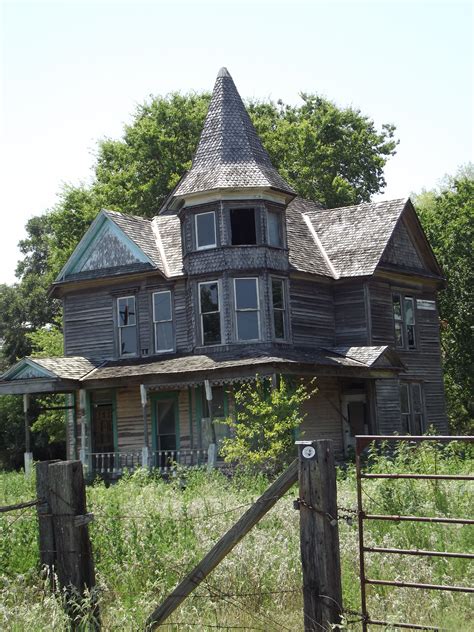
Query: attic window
<point x="242" y="227"/>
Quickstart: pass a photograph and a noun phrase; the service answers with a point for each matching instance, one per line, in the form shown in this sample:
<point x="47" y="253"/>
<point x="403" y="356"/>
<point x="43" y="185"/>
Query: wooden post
<point x="145" y="448"/>
<point x="224" y="546"/>
<point x="28" y="456"/>
<point x="47" y="546"/>
<point x="319" y="535"/>
<point x="74" y="564"/>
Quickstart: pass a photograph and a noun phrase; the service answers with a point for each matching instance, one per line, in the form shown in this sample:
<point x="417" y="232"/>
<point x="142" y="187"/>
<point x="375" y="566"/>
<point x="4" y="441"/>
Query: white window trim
<point x="236" y="310"/>
<point x="156" y="322"/>
<point x="284" y="310"/>
<point x="201" y="327"/>
<point x="214" y="245"/>
<point x="280" y="245"/>
<point x="120" y="327"/>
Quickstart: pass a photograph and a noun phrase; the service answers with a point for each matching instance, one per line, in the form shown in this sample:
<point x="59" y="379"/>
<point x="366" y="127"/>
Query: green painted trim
<point x="114" y="420"/>
<point x="95" y="231"/>
<point x="89" y="422"/>
<point x="198" y="396"/>
<point x="156" y="397"/>
<point x="24" y="364"/>
<point x="190" y="416"/>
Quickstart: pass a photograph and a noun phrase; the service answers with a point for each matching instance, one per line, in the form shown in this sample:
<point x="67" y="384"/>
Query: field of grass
<point x="147" y="533"/>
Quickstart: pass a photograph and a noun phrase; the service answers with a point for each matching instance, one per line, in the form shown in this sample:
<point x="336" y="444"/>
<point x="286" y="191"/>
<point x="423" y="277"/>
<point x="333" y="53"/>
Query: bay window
<point x="279" y="309"/>
<point x="205" y="230"/>
<point x="163" y="321"/>
<point x="209" y="313"/>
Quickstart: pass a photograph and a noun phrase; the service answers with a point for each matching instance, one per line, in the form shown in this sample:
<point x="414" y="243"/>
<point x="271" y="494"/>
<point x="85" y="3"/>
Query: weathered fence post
<point x="74" y="563"/>
<point x="319" y="535"/>
<point x="47" y="547"/>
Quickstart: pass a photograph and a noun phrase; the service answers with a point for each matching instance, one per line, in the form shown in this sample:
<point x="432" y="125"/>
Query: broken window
<point x="209" y="309"/>
<point x="127" y="325"/>
<point x="404" y="321"/>
<point x="242" y="227"/>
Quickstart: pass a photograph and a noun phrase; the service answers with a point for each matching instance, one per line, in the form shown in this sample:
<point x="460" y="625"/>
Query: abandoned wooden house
<point x="237" y="276"/>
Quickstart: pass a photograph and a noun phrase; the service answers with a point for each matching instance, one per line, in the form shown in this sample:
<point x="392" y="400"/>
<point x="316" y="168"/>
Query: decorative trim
<point x="318" y="243"/>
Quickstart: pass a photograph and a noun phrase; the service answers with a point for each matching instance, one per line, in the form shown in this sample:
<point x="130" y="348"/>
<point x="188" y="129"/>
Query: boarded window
<point x="279" y="309"/>
<point x="242" y="227"/>
<point x="247" y="309"/>
<point x="127" y="325"/>
<point x="205" y="227"/>
<point x="163" y="321"/>
<point x="209" y="309"/>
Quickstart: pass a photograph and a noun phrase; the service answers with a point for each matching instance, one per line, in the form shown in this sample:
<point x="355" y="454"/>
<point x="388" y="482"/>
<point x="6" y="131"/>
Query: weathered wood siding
<point x="312" y="313"/>
<point x="89" y="324"/>
<point x="323" y="413"/>
<point x="423" y="364"/>
<point x="387" y="397"/>
<point x="351" y="314"/>
<point x="401" y="251"/>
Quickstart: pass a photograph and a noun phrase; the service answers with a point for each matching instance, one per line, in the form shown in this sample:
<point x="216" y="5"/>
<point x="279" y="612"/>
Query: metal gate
<point x="362" y="441"/>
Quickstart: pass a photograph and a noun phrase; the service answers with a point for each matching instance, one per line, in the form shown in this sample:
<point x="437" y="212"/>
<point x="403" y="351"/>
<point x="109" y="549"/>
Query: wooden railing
<point x="165" y="461"/>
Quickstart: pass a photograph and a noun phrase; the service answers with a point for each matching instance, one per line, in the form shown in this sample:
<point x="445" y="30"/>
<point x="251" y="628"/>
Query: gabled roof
<point x="351" y="239"/>
<point x="59" y="368"/>
<point x="230" y="153"/>
<point x="381" y="356"/>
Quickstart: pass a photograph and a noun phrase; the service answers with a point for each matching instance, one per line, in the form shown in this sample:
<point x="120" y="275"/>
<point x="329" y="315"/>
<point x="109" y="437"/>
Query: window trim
<point x="201" y="324"/>
<point x="258" y="309"/>
<point x="410" y="414"/>
<point x="284" y="310"/>
<point x="403" y="321"/>
<point x="196" y="233"/>
<point x="157" y="322"/>
<point x="120" y="327"/>
<point x="280" y="228"/>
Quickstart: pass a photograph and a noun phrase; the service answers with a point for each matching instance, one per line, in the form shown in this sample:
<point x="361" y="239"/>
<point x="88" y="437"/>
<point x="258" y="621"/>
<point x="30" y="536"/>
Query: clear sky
<point x="73" y="71"/>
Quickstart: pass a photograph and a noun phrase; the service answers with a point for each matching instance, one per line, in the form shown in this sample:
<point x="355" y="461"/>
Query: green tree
<point x="265" y="422"/>
<point x="447" y="216"/>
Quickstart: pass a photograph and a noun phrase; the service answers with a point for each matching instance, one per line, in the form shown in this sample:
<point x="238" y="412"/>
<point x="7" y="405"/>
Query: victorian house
<point x="238" y="276"/>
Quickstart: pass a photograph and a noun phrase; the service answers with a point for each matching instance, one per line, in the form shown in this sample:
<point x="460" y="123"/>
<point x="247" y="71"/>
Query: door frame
<point x="89" y="412"/>
<point x="347" y="399"/>
<point x="154" y="399"/>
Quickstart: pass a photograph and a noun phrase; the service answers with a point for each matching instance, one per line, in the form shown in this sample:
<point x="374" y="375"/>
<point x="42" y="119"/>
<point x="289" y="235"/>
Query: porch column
<point x="28" y="456"/>
<point x="212" y="450"/>
<point x="145" y="449"/>
<point x="83" y="421"/>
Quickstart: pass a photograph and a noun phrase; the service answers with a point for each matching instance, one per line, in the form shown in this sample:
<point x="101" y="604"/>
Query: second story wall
<point x="351" y="314"/>
<point x="312" y="313"/>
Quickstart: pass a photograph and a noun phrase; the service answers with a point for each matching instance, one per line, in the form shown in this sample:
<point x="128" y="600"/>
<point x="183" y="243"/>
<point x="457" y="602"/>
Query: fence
<point x="362" y="441"/>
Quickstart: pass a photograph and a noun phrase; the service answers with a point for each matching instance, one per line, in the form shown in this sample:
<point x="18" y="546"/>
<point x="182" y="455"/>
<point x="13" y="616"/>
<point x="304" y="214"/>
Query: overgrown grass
<point x="148" y="533"/>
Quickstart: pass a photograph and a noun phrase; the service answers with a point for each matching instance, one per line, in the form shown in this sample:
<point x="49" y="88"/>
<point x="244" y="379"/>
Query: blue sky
<point x="73" y="72"/>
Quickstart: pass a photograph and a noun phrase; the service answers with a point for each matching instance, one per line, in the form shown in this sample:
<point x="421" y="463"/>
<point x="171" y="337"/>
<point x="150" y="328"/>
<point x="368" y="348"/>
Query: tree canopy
<point x="447" y="215"/>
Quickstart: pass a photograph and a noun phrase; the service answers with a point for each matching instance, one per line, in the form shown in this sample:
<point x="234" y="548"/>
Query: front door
<point x="354" y="418"/>
<point x="166" y="424"/>
<point x="102" y="428"/>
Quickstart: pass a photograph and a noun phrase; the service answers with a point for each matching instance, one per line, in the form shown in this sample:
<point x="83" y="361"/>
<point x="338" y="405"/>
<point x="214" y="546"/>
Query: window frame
<point x="120" y="327"/>
<point x="280" y="228"/>
<point x="255" y="222"/>
<point x="157" y="322"/>
<point x="412" y="413"/>
<point x="196" y="232"/>
<point x="219" y="311"/>
<point x="236" y="310"/>
<point x="402" y="320"/>
<point x="284" y="310"/>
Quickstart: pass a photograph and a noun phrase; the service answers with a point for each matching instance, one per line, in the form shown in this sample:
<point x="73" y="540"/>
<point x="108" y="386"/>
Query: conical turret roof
<point x="230" y="153"/>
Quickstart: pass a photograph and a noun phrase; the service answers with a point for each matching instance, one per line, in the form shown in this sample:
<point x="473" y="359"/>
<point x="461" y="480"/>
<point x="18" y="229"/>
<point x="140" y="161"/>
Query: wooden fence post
<point x="74" y="563"/>
<point x="47" y="546"/>
<point x="319" y="535"/>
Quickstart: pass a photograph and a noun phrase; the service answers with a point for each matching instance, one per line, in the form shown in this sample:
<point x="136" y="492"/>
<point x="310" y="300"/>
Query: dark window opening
<point x="242" y="227"/>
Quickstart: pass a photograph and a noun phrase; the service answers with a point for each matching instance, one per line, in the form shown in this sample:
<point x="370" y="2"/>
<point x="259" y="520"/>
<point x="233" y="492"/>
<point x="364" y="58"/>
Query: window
<point x="209" y="310"/>
<point x="404" y="321"/>
<point x="247" y="309"/>
<point x="242" y="227"/>
<point x="163" y="321"/>
<point x="411" y="406"/>
<point x="274" y="236"/>
<point x="205" y="228"/>
<point x="279" y="308"/>
<point x="127" y="325"/>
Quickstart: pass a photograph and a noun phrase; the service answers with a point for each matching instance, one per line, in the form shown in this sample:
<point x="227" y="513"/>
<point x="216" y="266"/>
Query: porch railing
<point x="165" y="461"/>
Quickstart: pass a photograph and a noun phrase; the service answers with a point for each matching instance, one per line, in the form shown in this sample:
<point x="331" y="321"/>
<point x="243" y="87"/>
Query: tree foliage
<point x="447" y="216"/>
<point x="265" y="422"/>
